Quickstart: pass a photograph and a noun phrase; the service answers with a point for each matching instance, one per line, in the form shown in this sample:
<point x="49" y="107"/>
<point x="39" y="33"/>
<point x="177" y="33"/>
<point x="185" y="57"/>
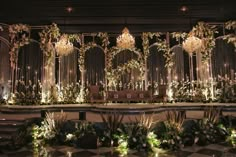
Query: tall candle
<point x="232" y="74"/>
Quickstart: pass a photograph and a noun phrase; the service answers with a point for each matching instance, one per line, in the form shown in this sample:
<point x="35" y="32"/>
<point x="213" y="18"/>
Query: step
<point x="10" y="125"/>
<point x="8" y="130"/>
<point x="5" y="137"/>
<point x="5" y="144"/>
<point x="4" y="120"/>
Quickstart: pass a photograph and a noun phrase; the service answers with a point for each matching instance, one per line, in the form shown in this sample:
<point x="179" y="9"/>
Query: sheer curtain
<point x="94" y="66"/>
<point x="30" y="63"/>
<point x="223" y="59"/>
<point x="178" y="68"/>
<point x="5" y="69"/>
<point x="157" y="71"/>
<point x="68" y="66"/>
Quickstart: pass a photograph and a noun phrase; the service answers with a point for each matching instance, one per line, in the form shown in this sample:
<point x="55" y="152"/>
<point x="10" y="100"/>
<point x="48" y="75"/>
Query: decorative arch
<point x="179" y="68"/>
<point x="156" y="64"/>
<point x="114" y="73"/>
<point x="94" y="65"/>
<point x="29" y="66"/>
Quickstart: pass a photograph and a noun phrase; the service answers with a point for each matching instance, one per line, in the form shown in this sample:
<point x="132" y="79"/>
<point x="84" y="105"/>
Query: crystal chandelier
<point x="64" y="46"/>
<point x="192" y="44"/>
<point x="125" y="40"/>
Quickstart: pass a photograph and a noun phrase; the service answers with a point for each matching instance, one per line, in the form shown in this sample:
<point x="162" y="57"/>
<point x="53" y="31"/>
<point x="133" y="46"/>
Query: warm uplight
<point x="125" y="40"/>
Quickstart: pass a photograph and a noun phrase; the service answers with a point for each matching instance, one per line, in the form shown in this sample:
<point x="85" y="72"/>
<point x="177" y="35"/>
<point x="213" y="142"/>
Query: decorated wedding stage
<point x="50" y="67"/>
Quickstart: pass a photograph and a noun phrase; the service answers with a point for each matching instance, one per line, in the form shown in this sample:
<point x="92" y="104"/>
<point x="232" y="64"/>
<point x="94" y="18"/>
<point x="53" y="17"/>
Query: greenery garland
<point x="206" y="33"/>
<point x="74" y="37"/>
<point x="105" y="39"/>
<point x="83" y="49"/>
<point x="19" y="36"/>
<point x="86" y="47"/>
<point x="145" y="38"/>
<point x="47" y="36"/>
<point x="113" y="75"/>
<point x="161" y="46"/>
<point x="179" y="36"/>
<point x="231" y="38"/>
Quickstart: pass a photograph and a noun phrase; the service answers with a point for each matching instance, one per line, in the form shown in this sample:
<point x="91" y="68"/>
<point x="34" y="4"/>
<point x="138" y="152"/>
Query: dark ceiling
<point x="112" y="16"/>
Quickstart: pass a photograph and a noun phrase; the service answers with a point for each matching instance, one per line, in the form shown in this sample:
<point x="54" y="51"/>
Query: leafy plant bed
<point x="141" y="134"/>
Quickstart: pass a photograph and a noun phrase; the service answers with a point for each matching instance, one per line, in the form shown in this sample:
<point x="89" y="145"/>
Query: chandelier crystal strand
<point x="125" y="40"/>
<point x="64" y="46"/>
<point x="192" y="44"/>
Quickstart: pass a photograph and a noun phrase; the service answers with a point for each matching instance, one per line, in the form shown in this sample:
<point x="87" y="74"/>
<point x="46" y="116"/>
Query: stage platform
<point x="126" y="108"/>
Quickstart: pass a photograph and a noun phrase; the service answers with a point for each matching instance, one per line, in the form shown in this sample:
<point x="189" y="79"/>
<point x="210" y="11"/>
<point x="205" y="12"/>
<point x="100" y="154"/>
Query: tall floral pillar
<point x="82" y="51"/>
<point x="48" y="35"/>
<point x="4" y="61"/>
<point x="19" y="36"/>
<point x="105" y="43"/>
<point x="205" y="33"/>
<point x="48" y="77"/>
<point x="145" y="57"/>
<point x="169" y="64"/>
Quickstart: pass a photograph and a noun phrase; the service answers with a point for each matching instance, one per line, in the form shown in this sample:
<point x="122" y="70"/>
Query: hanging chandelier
<point x="192" y="44"/>
<point x="125" y="40"/>
<point x="64" y="46"/>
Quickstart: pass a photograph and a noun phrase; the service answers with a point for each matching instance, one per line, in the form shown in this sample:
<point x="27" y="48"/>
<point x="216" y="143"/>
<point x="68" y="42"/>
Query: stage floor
<point x="93" y="111"/>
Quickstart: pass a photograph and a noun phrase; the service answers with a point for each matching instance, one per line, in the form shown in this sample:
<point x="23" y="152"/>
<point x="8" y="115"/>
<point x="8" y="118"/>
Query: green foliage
<point x="209" y="130"/>
<point x="232" y="137"/>
<point x="231" y="38"/>
<point x="83" y="128"/>
<point x="50" y="131"/>
<point x="172" y="135"/>
<point x="225" y="90"/>
<point x="113" y="122"/>
<point x="122" y="147"/>
<point x="153" y="142"/>
<point x="70" y="93"/>
<point x="212" y="114"/>
<point x="27" y="93"/>
<point x="176" y="118"/>
<point x="19" y="36"/>
<point x="194" y="91"/>
<point x="48" y="35"/>
<point x="206" y="33"/>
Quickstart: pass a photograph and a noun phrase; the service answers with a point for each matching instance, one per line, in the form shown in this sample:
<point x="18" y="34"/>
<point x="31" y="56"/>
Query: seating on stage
<point x="162" y="96"/>
<point x="129" y="96"/>
<point x="94" y="94"/>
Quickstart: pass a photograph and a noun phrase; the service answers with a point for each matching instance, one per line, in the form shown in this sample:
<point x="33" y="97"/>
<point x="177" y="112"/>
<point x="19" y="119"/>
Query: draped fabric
<point x="5" y="70"/>
<point x="30" y="61"/>
<point x="223" y="59"/>
<point x="178" y="68"/>
<point x="128" y="80"/>
<point x="67" y="69"/>
<point x="157" y="72"/>
<point x="94" y="66"/>
<point x="203" y="70"/>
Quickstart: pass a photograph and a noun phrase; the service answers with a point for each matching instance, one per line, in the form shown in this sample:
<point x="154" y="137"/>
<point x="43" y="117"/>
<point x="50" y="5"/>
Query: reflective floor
<point x="213" y="150"/>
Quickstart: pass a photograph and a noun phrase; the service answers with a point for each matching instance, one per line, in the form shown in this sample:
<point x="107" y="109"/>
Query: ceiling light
<point x="192" y="44"/>
<point x="69" y="9"/>
<point x="184" y="8"/>
<point x="125" y="40"/>
<point x="64" y="46"/>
